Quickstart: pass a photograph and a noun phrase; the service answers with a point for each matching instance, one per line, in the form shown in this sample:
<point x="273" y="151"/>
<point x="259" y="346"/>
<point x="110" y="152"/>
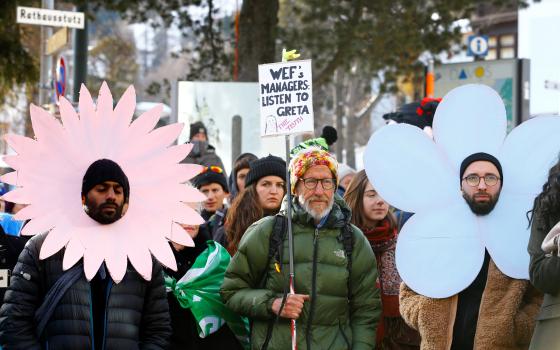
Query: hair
<point x="354" y="197"/>
<point x="242" y="162"/>
<point x="547" y="203"/>
<point x="244" y="211"/>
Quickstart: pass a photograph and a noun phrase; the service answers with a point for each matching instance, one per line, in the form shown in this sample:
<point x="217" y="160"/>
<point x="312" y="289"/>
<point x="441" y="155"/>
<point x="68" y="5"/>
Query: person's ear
<point x="125" y="208"/>
<point x="83" y="200"/>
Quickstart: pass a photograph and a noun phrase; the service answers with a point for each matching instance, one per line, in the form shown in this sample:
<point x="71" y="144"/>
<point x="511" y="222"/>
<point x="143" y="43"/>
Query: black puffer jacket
<point x="137" y="314"/>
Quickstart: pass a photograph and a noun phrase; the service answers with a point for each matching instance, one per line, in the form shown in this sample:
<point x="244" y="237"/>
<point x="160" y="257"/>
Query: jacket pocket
<point x="549" y="311"/>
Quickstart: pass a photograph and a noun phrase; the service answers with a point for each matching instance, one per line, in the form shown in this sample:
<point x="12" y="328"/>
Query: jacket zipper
<point x="313" y="291"/>
<point x="109" y="287"/>
<point x="91" y="318"/>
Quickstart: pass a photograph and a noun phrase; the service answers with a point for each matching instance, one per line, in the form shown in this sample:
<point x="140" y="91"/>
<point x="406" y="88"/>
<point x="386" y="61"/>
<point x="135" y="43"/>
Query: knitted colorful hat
<point x="308" y="157"/>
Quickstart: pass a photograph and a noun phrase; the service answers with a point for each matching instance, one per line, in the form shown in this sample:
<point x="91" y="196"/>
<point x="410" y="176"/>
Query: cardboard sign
<point x="286" y="98"/>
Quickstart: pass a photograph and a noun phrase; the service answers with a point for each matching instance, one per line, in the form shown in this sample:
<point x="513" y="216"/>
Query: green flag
<point x="199" y="291"/>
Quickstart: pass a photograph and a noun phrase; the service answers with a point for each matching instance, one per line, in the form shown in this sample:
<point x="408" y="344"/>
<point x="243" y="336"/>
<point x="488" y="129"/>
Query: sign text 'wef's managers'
<point x="287" y="89"/>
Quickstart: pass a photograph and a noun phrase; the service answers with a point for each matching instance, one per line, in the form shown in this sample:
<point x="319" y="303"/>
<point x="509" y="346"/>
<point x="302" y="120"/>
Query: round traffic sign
<point x="60" y="82"/>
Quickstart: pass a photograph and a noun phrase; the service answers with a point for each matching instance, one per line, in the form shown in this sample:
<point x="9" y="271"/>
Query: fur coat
<point x="505" y="322"/>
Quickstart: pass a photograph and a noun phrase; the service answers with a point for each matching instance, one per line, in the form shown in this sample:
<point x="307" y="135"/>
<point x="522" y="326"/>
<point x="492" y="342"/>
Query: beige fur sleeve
<point x="410" y="305"/>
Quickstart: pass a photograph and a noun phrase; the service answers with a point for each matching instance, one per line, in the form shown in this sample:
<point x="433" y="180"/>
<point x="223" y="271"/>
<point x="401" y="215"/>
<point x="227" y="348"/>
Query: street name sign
<point x="53" y="18"/>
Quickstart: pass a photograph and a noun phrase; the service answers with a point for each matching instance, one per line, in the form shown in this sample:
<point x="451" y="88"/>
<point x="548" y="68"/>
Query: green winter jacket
<point x="335" y="322"/>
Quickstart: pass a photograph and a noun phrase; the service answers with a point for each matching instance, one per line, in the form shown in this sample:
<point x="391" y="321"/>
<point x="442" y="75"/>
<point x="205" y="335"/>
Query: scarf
<point x="383" y="241"/>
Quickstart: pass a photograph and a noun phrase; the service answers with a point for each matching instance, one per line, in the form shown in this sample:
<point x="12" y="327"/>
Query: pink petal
<point x="68" y="116"/>
<point x="140" y="257"/>
<point x="146" y="122"/>
<point x="19" y="195"/>
<point x="73" y="253"/>
<point x="161" y="250"/>
<point x="10" y="178"/>
<point x="40" y="224"/>
<point x="104" y="103"/>
<point x="85" y="104"/>
<point x="116" y="263"/>
<point x="180" y="236"/>
<point x="55" y="241"/>
<point x="124" y="111"/>
<point x="92" y="261"/>
<point x="21" y="144"/>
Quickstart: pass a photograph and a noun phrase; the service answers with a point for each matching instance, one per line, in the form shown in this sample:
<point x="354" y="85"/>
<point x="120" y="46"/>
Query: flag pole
<point x="290" y="233"/>
<point x="290" y="237"/>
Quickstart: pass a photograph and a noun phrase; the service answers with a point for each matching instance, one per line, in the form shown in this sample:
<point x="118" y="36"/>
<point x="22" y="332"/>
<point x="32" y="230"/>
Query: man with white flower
<point x="494" y="311"/>
<point x="463" y="255"/>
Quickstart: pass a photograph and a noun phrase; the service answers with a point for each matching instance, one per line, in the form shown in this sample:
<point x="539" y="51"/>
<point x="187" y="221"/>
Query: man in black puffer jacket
<point x="97" y="314"/>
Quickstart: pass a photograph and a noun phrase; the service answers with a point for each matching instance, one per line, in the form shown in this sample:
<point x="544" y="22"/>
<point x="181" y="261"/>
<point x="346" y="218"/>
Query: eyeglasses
<point x="311" y="183"/>
<point x="212" y="168"/>
<point x="473" y="180"/>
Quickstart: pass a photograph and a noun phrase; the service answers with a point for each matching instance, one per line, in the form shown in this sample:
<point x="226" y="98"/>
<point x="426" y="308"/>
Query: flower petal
<point x="470" y="119"/>
<point x="439" y="253"/>
<point x="56" y="239"/>
<point x="405" y="167"/>
<point x="73" y="253"/>
<point x="180" y="236"/>
<point x="528" y="153"/>
<point x="506" y="234"/>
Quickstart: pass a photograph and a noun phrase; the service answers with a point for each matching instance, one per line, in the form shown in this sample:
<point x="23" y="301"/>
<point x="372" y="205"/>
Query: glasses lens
<point x="491" y="180"/>
<point x="328" y="184"/>
<point x="473" y="180"/>
<point x="310" y="183"/>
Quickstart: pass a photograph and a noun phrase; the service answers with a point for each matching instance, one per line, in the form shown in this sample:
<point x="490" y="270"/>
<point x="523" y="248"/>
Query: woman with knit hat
<point x="371" y="214"/>
<point x="264" y="189"/>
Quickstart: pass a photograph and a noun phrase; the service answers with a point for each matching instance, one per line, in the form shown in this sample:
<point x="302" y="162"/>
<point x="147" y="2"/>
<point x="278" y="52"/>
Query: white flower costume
<point x="49" y="171"/>
<point x="440" y="250"/>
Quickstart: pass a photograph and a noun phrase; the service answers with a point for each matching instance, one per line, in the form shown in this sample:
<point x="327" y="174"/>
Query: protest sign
<point x="286" y="98"/>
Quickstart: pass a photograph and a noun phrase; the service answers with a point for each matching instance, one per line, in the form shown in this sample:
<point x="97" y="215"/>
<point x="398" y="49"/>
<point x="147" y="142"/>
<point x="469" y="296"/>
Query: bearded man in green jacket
<point x="336" y="302"/>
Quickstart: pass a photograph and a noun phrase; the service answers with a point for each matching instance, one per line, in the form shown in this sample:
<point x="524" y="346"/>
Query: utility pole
<point x="45" y="81"/>
<point x="80" y="55"/>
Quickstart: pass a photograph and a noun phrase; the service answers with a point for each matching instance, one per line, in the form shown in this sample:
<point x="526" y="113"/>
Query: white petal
<point x="407" y="170"/>
<point x="470" y="119"/>
<point x="439" y="253"/>
<point x="528" y="153"/>
<point x="56" y="239"/>
<point x="506" y="234"/>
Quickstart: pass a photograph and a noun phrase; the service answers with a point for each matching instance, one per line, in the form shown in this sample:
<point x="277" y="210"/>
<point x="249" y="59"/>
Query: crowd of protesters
<point x="348" y="293"/>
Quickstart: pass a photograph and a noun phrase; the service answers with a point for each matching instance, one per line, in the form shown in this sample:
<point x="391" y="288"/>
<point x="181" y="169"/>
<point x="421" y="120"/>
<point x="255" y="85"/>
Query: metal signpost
<point x="47" y="17"/>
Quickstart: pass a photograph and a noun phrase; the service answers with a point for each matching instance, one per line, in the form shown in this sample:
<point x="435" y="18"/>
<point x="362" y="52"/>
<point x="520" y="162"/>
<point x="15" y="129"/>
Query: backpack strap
<point x="275" y="252"/>
<point x="276" y="240"/>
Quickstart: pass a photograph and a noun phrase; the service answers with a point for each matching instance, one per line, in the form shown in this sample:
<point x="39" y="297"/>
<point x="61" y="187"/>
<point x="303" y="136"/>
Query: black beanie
<point x="209" y="177"/>
<point x="196" y="128"/>
<point x="329" y="134"/>
<point x="483" y="157"/>
<point x="104" y="170"/>
<point x="266" y="166"/>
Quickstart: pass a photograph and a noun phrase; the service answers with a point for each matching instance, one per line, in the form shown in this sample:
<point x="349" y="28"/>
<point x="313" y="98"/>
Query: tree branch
<point x="343" y="45"/>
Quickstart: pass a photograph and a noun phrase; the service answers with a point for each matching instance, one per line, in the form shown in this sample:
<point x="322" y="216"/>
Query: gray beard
<point x="314" y="214"/>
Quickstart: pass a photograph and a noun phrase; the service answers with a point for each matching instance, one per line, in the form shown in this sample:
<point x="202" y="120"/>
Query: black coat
<point x="185" y="334"/>
<point x="137" y="314"/>
<point x="10" y="248"/>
